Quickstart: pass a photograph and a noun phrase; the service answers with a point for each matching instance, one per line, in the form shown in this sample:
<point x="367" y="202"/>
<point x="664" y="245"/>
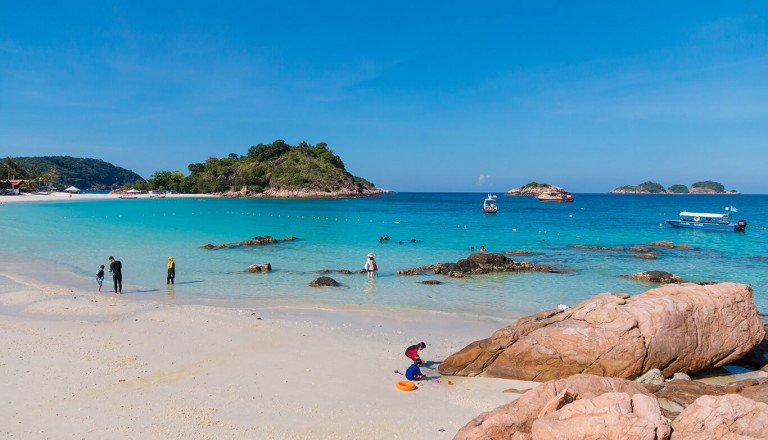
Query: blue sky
<point x="414" y="96"/>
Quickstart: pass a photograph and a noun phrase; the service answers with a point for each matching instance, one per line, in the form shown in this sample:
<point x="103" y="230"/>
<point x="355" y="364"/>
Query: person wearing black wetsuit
<point x="171" y="271"/>
<point x="116" y="267"/>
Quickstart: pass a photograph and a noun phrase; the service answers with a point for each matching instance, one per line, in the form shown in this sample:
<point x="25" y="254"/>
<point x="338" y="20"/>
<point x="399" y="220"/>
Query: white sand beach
<point x="83" y="365"/>
<point x="63" y="196"/>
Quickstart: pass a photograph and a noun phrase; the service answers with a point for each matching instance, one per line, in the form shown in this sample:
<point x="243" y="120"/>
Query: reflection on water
<point x="170" y="295"/>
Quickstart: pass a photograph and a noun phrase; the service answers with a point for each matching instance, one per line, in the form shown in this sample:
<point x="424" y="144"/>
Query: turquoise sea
<point x="65" y="242"/>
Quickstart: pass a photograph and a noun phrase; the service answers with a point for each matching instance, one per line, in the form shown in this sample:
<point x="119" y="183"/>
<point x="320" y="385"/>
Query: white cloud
<point x="483" y="179"/>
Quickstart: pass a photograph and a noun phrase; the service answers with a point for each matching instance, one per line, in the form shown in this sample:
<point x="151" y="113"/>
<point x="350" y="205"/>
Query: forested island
<point x="49" y="172"/>
<point x="267" y="170"/>
<point x="705" y="187"/>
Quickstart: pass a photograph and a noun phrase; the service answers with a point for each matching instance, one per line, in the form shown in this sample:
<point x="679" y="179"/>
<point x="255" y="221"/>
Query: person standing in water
<point x="116" y="267"/>
<point x="171" y="271"/>
<point x="370" y="265"/>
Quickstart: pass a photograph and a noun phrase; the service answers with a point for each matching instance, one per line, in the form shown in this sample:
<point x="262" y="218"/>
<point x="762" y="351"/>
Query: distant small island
<point x="536" y="188"/>
<point x="705" y="187"/>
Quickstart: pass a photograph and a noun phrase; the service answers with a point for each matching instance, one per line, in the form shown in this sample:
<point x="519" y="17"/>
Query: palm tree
<point x="50" y="176"/>
<point x="34" y="176"/>
<point x="12" y="168"/>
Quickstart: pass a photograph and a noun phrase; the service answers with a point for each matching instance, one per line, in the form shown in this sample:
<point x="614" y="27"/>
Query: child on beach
<point x="414" y="372"/>
<point x="100" y="276"/>
<point x="412" y="352"/>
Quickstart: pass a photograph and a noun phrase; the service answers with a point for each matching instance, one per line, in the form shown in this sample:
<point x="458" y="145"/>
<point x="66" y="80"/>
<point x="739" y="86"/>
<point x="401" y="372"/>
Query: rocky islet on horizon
<point x="705" y="187"/>
<point x="535" y="188"/>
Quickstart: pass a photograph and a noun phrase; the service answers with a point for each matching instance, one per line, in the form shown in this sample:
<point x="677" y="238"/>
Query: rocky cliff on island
<point x="705" y="187"/>
<point x="534" y="189"/>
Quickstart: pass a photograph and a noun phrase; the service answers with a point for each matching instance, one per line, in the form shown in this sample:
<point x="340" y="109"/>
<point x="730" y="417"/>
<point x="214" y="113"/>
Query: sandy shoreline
<point x="62" y="196"/>
<point x="81" y="365"/>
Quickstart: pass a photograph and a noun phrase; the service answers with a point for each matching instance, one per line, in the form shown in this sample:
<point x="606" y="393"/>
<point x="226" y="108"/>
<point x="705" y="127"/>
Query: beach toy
<point x="450" y="383"/>
<point x="405" y="385"/>
<point x="437" y="380"/>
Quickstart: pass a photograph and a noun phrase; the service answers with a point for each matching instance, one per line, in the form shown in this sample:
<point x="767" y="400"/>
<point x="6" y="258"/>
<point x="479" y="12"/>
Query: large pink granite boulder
<point x="580" y="404"/>
<point x="722" y="417"/>
<point x="675" y="328"/>
<point x="609" y="415"/>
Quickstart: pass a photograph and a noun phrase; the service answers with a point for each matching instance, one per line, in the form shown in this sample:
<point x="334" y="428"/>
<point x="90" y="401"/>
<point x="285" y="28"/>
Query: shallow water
<point x="70" y="240"/>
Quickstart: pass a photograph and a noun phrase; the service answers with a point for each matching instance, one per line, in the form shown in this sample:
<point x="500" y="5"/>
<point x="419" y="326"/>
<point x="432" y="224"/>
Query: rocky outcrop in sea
<point x="534" y="189"/>
<point x="255" y="241"/>
<point x="479" y="263"/>
<point x="675" y="328"/>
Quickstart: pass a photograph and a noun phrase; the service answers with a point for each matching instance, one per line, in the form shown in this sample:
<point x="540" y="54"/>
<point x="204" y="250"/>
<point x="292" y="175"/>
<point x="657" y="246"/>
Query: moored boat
<point x="489" y="205"/>
<point x="552" y="197"/>
<point x="709" y="221"/>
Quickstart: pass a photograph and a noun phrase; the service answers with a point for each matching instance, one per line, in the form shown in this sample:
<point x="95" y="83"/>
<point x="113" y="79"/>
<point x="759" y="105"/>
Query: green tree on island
<point x="12" y="169"/>
<point x="709" y="185"/>
<point x="678" y="189"/>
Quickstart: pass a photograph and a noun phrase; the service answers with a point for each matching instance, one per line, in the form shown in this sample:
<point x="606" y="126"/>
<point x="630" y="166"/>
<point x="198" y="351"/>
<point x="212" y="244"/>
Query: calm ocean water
<point x="65" y="242"/>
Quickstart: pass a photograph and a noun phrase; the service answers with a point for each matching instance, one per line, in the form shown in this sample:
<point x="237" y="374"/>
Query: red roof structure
<point x="14" y="184"/>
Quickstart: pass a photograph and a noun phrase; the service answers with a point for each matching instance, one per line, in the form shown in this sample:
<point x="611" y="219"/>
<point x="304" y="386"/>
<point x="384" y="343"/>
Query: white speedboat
<point x="489" y="205"/>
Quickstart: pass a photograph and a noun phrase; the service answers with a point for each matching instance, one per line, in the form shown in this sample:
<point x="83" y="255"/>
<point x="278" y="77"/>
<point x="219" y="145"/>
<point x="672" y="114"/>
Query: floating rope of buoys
<point x="405" y="385"/>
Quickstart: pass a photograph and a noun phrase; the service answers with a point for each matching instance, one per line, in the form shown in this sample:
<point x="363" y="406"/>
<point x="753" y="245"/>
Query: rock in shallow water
<point x="324" y="282"/>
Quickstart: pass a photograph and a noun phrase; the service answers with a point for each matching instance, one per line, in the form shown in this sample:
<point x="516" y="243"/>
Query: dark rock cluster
<point x="255" y="241"/>
<point x="479" y="263"/>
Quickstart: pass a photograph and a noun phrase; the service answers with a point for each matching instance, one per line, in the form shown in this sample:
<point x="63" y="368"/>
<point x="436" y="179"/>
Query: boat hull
<point x="556" y="200"/>
<point x="705" y="226"/>
<point x="547" y="197"/>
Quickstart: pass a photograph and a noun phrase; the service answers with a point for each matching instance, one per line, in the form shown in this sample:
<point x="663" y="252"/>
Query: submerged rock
<point x="670" y="245"/>
<point x="675" y="328"/>
<point x="255" y="241"/>
<point x="263" y="267"/>
<point x="341" y="271"/>
<point x="656" y="276"/>
<point x="324" y="282"/>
